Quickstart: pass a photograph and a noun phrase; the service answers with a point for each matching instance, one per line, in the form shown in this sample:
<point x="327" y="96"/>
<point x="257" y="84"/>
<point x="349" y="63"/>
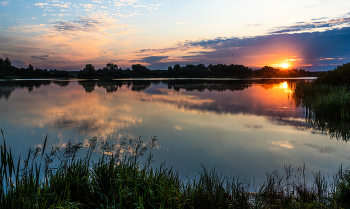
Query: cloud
<point x="66" y="5"/>
<point x="4" y="3"/>
<point x="313" y="25"/>
<point x="150" y="59"/>
<point x="83" y="23"/>
<point x="44" y="57"/>
<point x="29" y="29"/>
<point x="4" y="39"/>
<point x="88" y="24"/>
<point x="54" y="4"/>
<point x="153" y="59"/>
<point x="41" y="5"/>
<point x="19" y="63"/>
<point x="306" y="49"/>
<point x="131" y="7"/>
<point x="254" y="25"/>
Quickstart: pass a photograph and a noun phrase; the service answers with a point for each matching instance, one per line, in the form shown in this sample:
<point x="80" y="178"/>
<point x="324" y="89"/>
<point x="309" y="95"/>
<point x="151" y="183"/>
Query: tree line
<point x="8" y="71"/>
<point x="190" y="71"/>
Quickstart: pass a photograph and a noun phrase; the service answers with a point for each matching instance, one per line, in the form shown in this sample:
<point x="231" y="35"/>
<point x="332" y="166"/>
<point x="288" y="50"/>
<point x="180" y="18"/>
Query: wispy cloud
<point x="302" y="27"/>
<point x="150" y="59"/>
<point x="88" y="24"/>
<point x="254" y="25"/>
<point x="4" y="3"/>
<point x="127" y="8"/>
<point x="44" y="57"/>
<point x="41" y="5"/>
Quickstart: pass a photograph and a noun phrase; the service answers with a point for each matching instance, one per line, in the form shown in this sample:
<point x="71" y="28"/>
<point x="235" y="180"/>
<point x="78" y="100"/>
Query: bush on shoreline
<point x="338" y="76"/>
<point x="119" y="180"/>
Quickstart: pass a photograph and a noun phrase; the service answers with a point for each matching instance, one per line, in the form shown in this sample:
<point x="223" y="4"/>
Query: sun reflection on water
<point x="286" y="87"/>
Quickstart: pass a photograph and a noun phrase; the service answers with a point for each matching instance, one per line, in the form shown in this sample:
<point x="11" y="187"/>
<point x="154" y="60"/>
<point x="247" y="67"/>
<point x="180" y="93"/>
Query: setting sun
<point x="285" y="65"/>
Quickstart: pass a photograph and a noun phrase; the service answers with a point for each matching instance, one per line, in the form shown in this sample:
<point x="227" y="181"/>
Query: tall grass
<point x="119" y="180"/>
<point x="324" y="101"/>
<point x="328" y="96"/>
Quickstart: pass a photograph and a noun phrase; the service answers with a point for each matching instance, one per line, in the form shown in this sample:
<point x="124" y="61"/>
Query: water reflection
<point x="335" y="129"/>
<point x="186" y="84"/>
<point x="7" y="87"/>
<point x="239" y="126"/>
<point x="196" y="96"/>
<point x="61" y="83"/>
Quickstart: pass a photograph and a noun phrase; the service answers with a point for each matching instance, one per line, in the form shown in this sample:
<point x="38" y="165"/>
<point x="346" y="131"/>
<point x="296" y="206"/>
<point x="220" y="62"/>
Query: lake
<point x="242" y="128"/>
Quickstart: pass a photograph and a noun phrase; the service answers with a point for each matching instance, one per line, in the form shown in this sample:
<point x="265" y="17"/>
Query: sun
<point x="285" y="65"/>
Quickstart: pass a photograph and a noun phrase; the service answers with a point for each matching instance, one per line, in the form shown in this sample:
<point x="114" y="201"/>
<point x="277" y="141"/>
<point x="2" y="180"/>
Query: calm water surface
<point x="241" y="127"/>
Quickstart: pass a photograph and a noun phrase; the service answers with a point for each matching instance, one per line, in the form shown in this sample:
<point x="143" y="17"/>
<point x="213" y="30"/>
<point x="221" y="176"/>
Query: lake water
<point x="242" y="128"/>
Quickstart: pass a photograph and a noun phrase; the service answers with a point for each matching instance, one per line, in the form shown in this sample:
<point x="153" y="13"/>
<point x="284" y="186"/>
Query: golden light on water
<point x="284" y="85"/>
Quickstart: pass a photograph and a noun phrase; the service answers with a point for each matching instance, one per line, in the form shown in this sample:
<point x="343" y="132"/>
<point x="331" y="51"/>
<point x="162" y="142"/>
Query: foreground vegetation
<point x="328" y="96"/>
<point x="119" y="180"/>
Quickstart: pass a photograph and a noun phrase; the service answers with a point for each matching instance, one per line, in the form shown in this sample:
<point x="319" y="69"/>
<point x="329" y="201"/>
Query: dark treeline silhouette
<point x="112" y="71"/>
<point x="201" y="71"/>
<point x="8" y="71"/>
<point x="269" y="72"/>
<point x="191" y="71"/>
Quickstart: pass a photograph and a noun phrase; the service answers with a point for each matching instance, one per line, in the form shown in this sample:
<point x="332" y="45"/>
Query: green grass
<point x="328" y="96"/>
<point x="324" y="101"/>
<point x="119" y="180"/>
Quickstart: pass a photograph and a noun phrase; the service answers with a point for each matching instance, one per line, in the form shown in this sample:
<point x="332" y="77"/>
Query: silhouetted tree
<point x="30" y="67"/>
<point x="88" y="72"/>
<point x="140" y="70"/>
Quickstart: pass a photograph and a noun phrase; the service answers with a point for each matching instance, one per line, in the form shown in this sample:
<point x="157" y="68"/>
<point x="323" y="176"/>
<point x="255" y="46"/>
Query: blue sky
<point x="313" y="34"/>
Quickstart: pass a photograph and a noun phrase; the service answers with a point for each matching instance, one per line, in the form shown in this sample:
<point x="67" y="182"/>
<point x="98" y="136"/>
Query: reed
<point x="323" y="101"/>
<point x="119" y="180"/>
<point x="328" y="96"/>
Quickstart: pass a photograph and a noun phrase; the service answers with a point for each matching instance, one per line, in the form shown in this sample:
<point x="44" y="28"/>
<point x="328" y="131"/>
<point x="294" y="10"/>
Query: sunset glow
<point x="285" y="65"/>
<point x="69" y="34"/>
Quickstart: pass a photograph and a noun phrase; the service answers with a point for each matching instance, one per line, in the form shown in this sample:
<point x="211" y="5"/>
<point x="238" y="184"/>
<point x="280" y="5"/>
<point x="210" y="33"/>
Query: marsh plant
<point x="328" y="96"/>
<point x="327" y="107"/>
<point x="326" y="101"/>
<point x="62" y="179"/>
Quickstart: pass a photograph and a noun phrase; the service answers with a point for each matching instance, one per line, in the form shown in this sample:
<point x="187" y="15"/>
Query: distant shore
<point x="111" y="71"/>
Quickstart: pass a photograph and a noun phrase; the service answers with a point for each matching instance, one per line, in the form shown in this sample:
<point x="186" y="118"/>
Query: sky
<point x="66" y="35"/>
